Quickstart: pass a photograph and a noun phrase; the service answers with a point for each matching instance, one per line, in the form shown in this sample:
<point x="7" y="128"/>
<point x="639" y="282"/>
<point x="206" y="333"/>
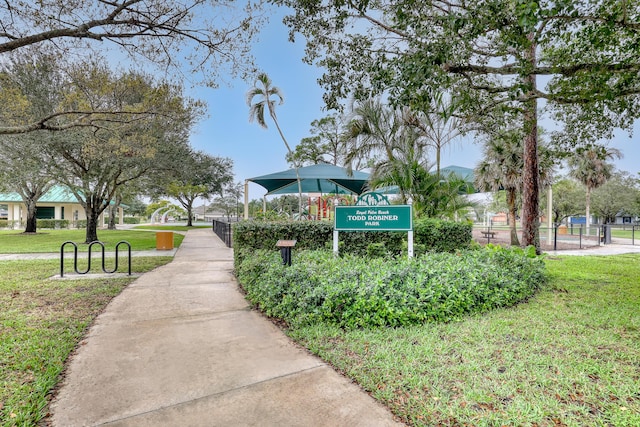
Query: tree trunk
<point x="530" y="193"/>
<point x="92" y="225"/>
<point x="530" y="174"/>
<point x="31" y="226"/>
<point x="511" y="202"/>
<point x="113" y="212"/>
<point x="189" y="215"/>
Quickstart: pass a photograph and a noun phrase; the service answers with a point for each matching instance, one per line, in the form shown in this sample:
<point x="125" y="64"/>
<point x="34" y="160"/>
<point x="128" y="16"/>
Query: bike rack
<point x="75" y="257"/>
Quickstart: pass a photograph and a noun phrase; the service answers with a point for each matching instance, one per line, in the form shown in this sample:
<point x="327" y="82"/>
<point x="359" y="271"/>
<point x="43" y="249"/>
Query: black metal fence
<point x="582" y="237"/>
<point x="575" y="236"/>
<point x="224" y="231"/>
<point x="563" y="237"/>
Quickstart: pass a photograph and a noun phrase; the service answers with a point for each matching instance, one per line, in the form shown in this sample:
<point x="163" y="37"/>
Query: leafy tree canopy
<point x="209" y="38"/>
<point x="189" y="32"/>
<point x="490" y="56"/>
<point x="618" y="196"/>
<point x="197" y="174"/>
<point x="587" y="54"/>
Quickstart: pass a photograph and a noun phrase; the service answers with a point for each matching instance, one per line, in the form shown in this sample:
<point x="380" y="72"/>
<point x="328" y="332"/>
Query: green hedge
<point x="131" y="220"/>
<point x="429" y="235"/>
<point x="354" y="292"/>
<point x="442" y="236"/>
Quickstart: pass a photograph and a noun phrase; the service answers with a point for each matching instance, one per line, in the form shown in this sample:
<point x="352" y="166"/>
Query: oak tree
<point x="578" y="59"/>
<point x="204" y="39"/>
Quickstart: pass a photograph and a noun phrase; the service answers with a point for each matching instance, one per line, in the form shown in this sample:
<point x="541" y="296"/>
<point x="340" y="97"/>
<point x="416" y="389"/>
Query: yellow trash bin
<point x="164" y="240"/>
<point x="562" y="229"/>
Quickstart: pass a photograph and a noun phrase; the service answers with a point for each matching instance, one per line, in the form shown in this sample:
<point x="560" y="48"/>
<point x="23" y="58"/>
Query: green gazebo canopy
<point x="321" y="178"/>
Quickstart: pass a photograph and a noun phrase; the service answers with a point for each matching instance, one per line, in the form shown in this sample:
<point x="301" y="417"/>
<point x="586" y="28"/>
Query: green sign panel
<point x="373" y="218"/>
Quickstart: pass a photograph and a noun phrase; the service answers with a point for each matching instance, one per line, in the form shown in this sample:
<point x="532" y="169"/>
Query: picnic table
<point x="489" y="234"/>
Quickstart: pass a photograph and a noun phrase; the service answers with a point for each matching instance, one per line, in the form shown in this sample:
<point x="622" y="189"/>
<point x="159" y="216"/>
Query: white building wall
<point x="72" y="212"/>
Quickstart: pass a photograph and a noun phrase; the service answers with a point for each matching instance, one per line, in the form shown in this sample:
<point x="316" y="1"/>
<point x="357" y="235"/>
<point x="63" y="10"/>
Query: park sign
<point x="373" y="218"/>
<point x="373" y="212"/>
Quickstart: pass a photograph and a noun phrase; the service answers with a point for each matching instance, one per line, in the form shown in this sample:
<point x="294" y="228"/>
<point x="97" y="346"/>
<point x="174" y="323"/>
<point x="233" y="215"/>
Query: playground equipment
<point x="322" y="207"/>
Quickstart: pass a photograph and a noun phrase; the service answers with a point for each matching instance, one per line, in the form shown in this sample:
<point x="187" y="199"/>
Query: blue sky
<point x="255" y="151"/>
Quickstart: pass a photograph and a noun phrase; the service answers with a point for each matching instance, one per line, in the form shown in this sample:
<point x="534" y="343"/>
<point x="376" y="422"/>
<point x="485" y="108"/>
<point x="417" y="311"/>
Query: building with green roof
<point x="57" y="203"/>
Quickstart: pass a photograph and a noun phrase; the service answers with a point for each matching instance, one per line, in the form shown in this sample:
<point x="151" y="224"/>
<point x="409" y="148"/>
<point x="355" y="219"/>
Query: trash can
<point x="562" y="229"/>
<point x="164" y="240"/>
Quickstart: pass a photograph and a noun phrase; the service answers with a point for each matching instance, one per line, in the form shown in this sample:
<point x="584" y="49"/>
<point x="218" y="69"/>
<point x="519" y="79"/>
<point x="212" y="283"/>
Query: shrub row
<point x="55" y="224"/>
<point x="354" y="292"/>
<point x="9" y="224"/>
<point x="429" y="235"/>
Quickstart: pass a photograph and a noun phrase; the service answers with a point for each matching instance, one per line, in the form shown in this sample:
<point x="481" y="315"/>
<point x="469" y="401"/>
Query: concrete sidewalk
<point x="181" y="347"/>
<point x="610" y="249"/>
<point x="83" y="255"/>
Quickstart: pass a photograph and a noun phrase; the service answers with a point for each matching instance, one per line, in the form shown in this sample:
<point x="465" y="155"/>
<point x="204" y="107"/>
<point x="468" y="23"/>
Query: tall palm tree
<point x="590" y="166"/>
<point x="267" y="96"/>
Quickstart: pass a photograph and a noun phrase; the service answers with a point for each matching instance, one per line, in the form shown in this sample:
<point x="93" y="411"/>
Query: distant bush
<point x="131" y="220"/>
<point x="11" y="225"/>
<point x="56" y="224"/>
<point x="352" y="292"/>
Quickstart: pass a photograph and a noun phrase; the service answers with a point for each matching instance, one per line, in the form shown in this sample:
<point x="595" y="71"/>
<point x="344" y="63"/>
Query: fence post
<point x="580" y="236"/>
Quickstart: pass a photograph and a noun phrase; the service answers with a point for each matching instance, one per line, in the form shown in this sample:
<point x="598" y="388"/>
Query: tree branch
<point x="84" y="120"/>
<point x="514" y="69"/>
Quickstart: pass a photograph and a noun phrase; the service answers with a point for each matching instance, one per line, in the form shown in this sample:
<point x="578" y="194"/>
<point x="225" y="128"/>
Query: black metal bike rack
<point x="75" y="257"/>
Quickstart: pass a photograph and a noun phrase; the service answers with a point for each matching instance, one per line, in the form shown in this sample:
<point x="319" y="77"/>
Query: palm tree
<point x="373" y="133"/>
<point x="409" y="170"/>
<point x="438" y="125"/>
<point x="590" y="166"/>
<point x="267" y="96"/>
<point x="405" y="168"/>
<point x="501" y="169"/>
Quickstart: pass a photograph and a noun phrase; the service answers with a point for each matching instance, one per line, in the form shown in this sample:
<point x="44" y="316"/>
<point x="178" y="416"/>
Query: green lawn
<point x="627" y="234"/>
<point x="15" y="242"/>
<point x="41" y="322"/>
<point x="568" y="357"/>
